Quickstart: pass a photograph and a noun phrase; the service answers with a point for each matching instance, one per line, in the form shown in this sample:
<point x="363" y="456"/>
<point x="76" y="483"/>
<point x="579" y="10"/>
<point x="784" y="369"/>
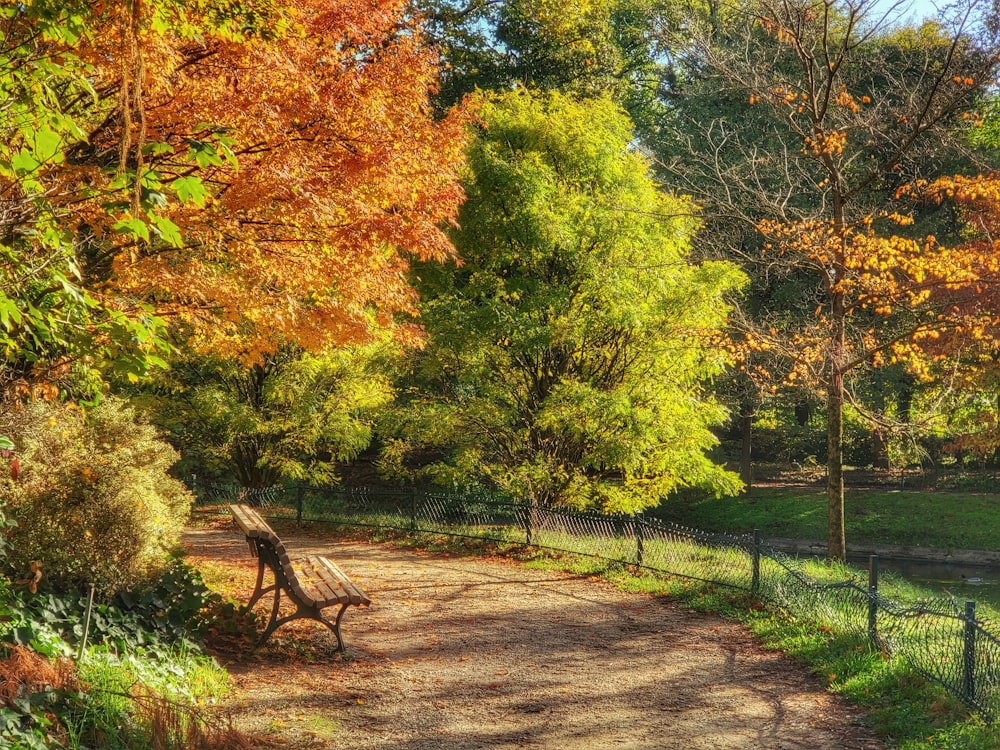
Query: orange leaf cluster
<point x="780" y="32"/>
<point x="826" y="143"/>
<point x="845" y="100"/>
<point x="932" y="294"/>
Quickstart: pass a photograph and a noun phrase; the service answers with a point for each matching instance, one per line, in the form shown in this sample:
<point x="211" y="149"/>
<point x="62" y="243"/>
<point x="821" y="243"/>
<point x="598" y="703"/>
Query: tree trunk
<point x="746" y="444"/>
<point x="836" y="548"/>
<point x="836" y="542"/>
<point x="880" y="449"/>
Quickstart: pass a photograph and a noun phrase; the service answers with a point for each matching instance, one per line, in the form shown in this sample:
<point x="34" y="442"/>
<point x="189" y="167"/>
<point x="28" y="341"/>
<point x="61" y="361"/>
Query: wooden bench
<point x="313" y="584"/>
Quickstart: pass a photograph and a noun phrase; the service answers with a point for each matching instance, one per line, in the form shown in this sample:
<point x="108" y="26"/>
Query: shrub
<point x="92" y="499"/>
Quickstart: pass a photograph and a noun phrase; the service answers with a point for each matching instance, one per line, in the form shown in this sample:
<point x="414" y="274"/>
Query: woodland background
<point x="587" y="256"/>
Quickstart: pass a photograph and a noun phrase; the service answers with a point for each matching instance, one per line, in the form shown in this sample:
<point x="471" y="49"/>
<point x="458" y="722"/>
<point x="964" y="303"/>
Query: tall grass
<point x="138" y="700"/>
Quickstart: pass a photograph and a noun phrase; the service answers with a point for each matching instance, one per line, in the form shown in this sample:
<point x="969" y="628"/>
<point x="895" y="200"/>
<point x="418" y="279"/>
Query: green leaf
<point x="48" y="145"/>
<point x="168" y="231"/>
<point x="25" y="162"/>
<point x="6" y="443"/>
<point x="10" y="315"/>
<point x="203" y="153"/>
<point x="157" y="148"/>
<point x="190" y="190"/>
<point x="135" y="227"/>
<point x="225" y="146"/>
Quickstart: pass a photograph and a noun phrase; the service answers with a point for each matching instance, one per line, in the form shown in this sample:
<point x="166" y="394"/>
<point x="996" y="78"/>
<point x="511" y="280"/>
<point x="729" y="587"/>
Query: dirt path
<point x="458" y="653"/>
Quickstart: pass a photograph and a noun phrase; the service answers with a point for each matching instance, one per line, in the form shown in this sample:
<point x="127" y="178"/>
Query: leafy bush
<point x="175" y="608"/>
<point x="171" y="613"/>
<point x="92" y="499"/>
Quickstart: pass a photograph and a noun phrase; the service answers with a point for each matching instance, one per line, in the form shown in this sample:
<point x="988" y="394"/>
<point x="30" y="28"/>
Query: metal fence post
<point x="299" y="492"/>
<point x="86" y="624"/>
<point x="527" y="522"/>
<point x="637" y="527"/>
<point x="413" y="510"/>
<point x="970" y="651"/>
<point x="873" y="599"/>
<point x="755" y="579"/>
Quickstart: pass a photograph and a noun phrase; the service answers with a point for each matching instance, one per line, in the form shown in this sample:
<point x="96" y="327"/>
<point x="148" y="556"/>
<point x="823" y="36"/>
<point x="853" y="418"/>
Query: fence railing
<point x="943" y="639"/>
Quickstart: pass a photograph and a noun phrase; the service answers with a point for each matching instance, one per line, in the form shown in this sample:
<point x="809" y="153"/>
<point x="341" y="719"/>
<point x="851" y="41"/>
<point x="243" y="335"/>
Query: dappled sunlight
<point x="465" y="652"/>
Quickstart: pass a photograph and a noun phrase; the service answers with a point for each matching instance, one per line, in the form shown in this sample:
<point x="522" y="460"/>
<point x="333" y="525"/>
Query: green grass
<point x="956" y="520"/>
<point x="119" y="686"/>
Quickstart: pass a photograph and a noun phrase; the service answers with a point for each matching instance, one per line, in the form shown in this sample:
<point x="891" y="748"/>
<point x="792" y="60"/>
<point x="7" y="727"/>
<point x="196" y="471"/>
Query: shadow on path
<point x="461" y="653"/>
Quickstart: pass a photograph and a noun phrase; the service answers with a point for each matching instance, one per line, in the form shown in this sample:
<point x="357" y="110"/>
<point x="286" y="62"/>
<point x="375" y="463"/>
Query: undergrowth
<point x="133" y="675"/>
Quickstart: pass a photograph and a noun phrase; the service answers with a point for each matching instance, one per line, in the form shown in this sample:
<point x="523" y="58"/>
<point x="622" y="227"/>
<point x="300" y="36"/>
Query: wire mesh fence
<point x="943" y="639"/>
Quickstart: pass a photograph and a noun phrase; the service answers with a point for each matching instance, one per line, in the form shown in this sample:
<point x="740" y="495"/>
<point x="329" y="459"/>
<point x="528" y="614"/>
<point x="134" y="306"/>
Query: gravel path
<point x="458" y="653"/>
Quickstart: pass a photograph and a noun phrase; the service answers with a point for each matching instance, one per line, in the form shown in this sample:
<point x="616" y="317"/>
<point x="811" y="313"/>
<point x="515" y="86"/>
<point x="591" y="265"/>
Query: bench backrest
<point x="253" y="524"/>
<point x="262" y="538"/>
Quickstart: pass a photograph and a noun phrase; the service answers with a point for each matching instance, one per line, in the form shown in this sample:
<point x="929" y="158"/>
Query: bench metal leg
<point x="258" y="589"/>
<point x="266" y="558"/>
<point x="303" y="612"/>
<point x="272" y="623"/>
<point x="335" y="626"/>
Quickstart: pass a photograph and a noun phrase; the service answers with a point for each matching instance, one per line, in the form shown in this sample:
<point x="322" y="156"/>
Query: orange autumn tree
<point x="846" y="105"/>
<point x="279" y="169"/>
<point x="901" y="299"/>
<point x="887" y="299"/>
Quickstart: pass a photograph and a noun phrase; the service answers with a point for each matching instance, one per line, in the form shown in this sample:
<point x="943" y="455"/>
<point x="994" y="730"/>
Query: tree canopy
<point x="831" y="110"/>
<point x="254" y="177"/>
<point x="569" y="351"/>
<point x="251" y="182"/>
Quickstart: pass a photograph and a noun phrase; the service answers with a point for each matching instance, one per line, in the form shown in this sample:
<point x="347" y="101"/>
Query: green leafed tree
<point x="568" y="352"/>
<point x="291" y="416"/>
<point x="50" y="319"/>
<point x="593" y="48"/>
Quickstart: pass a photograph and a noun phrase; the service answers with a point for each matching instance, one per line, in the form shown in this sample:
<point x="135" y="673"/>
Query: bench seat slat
<point x="330" y="590"/>
<point x="331" y="572"/>
<point x="306" y="581"/>
<point x="329" y="593"/>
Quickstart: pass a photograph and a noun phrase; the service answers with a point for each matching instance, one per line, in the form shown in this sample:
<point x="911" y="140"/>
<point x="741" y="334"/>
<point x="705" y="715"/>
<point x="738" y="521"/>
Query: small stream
<point x="978" y="583"/>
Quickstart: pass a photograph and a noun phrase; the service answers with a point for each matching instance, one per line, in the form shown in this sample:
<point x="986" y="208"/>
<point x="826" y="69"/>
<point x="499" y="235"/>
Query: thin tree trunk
<point x="880" y="449"/>
<point x="836" y="540"/>
<point x="746" y="446"/>
<point x="836" y="548"/>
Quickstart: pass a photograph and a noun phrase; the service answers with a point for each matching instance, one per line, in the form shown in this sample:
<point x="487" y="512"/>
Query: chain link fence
<point x="943" y="639"/>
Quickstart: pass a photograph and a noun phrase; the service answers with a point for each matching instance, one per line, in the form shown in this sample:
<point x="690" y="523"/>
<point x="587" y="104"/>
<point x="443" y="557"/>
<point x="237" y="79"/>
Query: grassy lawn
<point x="941" y="519"/>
